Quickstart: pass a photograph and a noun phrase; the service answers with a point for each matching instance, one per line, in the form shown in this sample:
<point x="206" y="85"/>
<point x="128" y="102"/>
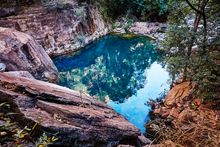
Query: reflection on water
<point x="116" y="70"/>
<point x="134" y="108"/>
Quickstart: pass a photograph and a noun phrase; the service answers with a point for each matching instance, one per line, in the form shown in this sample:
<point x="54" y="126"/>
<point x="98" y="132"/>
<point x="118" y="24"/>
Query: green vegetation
<point x="110" y="9"/>
<point x="192" y="53"/>
<point x="142" y="9"/>
<point x="192" y="44"/>
<point x="12" y="134"/>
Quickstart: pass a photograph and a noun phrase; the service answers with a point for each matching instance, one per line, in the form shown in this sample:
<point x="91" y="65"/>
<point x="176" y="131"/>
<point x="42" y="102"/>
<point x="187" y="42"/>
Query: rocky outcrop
<point x="76" y="118"/>
<point x="59" y="31"/>
<point x="19" y="51"/>
<point x="179" y="94"/>
<point x="156" y="30"/>
<point x="153" y="30"/>
<point x="178" y="98"/>
<point x="182" y="114"/>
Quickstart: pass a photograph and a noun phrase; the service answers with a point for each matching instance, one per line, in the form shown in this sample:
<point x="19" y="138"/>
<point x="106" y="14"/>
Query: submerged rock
<point x="20" y="51"/>
<point x="76" y="118"/>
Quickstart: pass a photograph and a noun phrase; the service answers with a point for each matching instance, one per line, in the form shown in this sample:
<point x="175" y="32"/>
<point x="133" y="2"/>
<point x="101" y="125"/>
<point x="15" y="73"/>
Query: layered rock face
<point x="19" y="51"/>
<point x="59" y="31"/>
<point x="76" y="118"/>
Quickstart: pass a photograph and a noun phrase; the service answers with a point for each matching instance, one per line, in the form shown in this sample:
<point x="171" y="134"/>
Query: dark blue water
<point x="125" y="73"/>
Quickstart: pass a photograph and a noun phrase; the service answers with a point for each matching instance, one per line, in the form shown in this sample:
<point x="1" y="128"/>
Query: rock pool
<point x="123" y="72"/>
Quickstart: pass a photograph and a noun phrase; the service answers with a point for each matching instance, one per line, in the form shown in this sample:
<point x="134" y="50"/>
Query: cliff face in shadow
<point x="58" y="30"/>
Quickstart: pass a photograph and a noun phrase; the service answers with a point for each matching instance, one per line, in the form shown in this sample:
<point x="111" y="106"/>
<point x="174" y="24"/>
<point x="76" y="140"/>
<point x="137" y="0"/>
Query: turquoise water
<point x="125" y="73"/>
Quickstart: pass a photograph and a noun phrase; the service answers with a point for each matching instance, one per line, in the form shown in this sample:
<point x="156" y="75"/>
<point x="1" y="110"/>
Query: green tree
<point x="147" y="9"/>
<point x="191" y="43"/>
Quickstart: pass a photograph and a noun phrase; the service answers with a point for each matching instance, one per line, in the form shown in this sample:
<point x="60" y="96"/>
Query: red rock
<point x="197" y="102"/>
<point x="75" y="117"/>
<point x="20" y="52"/>
<point x="165" y="111"/>
<point x="174" y="112"/>
<point x="183" y="116"/>
<point x="179" y="94"/>
<point x="59" y="32"/>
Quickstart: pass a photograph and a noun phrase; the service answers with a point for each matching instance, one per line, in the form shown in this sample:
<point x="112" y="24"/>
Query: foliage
<point x="44" y="140"/>
<point x="147" y="9"/>
<point x="57" y="4"/>
<point x="128" y="24"/>
<point x="80" y="12"/>
<point x="191" y="45"/>
<point x="11" y="133"/>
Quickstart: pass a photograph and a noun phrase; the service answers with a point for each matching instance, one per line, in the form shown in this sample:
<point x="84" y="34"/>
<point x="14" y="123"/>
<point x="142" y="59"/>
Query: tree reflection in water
<point x="110" y="68"/>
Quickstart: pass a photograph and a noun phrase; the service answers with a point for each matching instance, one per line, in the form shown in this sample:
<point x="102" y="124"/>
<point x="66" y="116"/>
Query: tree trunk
<point x="200" y="13"/>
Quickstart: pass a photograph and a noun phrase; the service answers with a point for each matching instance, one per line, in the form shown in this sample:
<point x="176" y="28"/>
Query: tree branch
<point x="198" y="11"/>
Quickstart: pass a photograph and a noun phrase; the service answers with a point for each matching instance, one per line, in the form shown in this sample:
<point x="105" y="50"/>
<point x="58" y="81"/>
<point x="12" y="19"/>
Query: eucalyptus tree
<point x="190" y="43"/>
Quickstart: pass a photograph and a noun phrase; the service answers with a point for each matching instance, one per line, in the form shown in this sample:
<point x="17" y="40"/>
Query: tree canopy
<point x="192" y="44"/>
<point x="142" y="9"/>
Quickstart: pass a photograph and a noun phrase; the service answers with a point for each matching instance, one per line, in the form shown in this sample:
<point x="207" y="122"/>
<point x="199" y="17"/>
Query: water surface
<point x="123" y="72"/>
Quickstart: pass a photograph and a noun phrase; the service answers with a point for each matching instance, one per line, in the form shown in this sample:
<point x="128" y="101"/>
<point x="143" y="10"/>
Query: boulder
<point x="179" y="94"/>
<point x="75" y="118"/>
<point x="19" y="51"/>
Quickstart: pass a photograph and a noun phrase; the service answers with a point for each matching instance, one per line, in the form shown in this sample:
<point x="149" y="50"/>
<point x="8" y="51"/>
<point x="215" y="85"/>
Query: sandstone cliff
<point x="59" y="31"/>
<point x="19" y="51"/>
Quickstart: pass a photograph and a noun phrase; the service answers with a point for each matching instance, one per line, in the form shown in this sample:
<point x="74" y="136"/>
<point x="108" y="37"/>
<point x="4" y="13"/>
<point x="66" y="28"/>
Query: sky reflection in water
<point x="135" y="108"/>
<point x="124" y="70"/>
